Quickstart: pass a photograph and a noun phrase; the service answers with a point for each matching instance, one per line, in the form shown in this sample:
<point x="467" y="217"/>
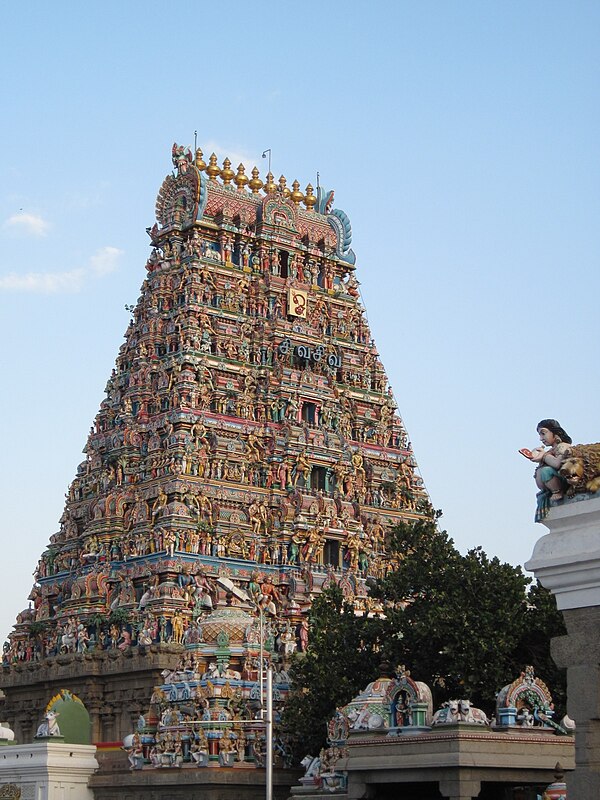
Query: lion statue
<point x="581" y="470"/>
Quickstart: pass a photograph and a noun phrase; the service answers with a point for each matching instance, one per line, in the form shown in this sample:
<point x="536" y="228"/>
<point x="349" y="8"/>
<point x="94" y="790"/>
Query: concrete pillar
<point x="358" y="789"/>
<point x="579" y="654"/>
<point x="567" y="562"/>
<point x="459" y="788"/>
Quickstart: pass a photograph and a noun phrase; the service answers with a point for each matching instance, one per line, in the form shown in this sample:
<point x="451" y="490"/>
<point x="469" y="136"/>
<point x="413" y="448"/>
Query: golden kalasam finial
<point x="200" y="162"/>
<point x="270" y="186"/>
<point x="283" y="186"/>
<point x="213" y="168"/>
<point x="227" y="173"/>
<point x="255" y="182"/>
<point x="309" y="199"/>
<point x="296" y="195"/>
<point x="241" y="179"/>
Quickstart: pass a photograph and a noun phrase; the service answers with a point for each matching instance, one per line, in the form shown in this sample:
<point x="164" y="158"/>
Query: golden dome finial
<point x="270" y="186"/>
<point x="200" y="162"/>
<point x="255" y="182"/>
<point x="296" y="195"/>
<point x="227" y="174"/>
<point x="283" y="186"/>
<point x="309" y="199"/>
<point x="241" y="179"/>
<point x="213" y="168"/>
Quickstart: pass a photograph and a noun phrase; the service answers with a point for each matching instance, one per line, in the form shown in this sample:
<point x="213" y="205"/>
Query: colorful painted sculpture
<point x="49" y="727"/>
<point x="526" y="703"/>
<point x="208" y="711"/>
<point x="581" y="470"/>
<point x="389" y="705"/>
<point x="558" y="789"/>
<point x="563" y="469"/>
<point x="459" y="712"/>
<point x="248" y="429"/>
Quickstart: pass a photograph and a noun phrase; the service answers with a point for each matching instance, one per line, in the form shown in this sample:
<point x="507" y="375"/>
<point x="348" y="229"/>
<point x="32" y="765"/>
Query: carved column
<point x="92" y="698"/>
<point x="107" y="717"/>
<point x="94" y="708"/>
<point x="567" y="562"/>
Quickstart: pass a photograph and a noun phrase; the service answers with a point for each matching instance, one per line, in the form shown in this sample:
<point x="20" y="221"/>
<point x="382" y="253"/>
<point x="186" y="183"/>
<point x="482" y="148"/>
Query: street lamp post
<point x="266" y="709"/>
<point x="269" y="735"/>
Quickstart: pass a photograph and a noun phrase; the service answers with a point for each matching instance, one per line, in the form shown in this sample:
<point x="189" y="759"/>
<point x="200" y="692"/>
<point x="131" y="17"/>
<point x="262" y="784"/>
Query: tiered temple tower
<point x="248" y="451"/>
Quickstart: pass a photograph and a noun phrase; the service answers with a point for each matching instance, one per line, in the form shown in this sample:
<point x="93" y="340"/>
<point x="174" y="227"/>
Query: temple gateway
<point x="248" y="453"/>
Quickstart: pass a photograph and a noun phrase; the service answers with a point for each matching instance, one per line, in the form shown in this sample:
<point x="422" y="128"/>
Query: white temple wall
<point x="49" y="770"/>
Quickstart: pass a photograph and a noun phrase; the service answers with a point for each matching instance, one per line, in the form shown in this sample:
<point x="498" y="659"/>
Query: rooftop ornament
<point x="526" y="703"/>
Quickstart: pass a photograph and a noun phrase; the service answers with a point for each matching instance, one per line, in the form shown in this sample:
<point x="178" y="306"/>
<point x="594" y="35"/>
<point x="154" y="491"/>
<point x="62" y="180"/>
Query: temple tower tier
<point x="248" y="450"/>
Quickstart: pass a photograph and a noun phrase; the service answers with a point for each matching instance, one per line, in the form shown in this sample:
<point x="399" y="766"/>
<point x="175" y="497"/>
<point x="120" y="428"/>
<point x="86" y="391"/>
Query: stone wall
<point x="115" y="688"/>
<point x="188" y="783"/>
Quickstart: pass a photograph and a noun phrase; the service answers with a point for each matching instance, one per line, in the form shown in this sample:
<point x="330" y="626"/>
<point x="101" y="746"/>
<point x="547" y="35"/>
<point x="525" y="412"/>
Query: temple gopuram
<point x="248" y="454"/>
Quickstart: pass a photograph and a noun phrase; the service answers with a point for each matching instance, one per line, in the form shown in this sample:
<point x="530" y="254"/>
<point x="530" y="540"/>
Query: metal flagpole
<point x="269" y="736"/>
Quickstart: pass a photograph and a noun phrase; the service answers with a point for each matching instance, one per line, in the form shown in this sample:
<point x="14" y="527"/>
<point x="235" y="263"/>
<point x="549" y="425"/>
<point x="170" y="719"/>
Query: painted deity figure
<point x="254" y="516"/>
<point x="226" y="747"/>
<point x="302" y="634"/>
<point x="199" y="747"/>
<point x="551" y="486"/>
<point x="301" y="468"/>
<point x="294" y="547"/>
<point x="269" y="597"/>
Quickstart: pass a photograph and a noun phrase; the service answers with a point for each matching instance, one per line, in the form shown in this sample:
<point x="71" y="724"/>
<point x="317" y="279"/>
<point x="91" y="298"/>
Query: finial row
<point x="254" y="183"/>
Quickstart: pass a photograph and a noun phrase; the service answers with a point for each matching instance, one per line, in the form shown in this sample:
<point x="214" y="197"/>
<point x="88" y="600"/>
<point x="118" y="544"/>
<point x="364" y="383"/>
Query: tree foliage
<point x="465" y="624"/>
<point x="342" y="657"/>
<point x="543" y="621"/>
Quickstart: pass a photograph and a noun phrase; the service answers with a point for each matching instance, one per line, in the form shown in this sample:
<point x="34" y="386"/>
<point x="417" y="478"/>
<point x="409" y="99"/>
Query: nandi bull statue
<point x="6" y="733"/>
<point x="457" y="711"/>
<point x="312" y="767"/>
<point x="49" y="726"/>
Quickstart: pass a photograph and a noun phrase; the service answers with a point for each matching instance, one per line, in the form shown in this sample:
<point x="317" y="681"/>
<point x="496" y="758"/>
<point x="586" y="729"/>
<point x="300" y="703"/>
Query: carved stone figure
<point x="581" y="470"/>
<point x="6" y="733"/>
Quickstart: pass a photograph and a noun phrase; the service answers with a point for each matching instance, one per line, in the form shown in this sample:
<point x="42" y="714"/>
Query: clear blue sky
<point x="461" y="139"/>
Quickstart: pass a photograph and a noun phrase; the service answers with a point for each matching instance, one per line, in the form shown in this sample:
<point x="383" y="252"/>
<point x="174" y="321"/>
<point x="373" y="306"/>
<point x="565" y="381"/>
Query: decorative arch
<point x="279" y="213"/>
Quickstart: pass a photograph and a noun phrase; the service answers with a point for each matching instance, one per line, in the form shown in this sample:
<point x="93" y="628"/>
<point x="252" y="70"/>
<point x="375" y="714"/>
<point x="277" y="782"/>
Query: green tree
<point x="119" y="616"/>
<point x="466" y="625"/>
<point x="456" y="620"/>
<point x="342" y="657"/>
<point x="543" y="621"/>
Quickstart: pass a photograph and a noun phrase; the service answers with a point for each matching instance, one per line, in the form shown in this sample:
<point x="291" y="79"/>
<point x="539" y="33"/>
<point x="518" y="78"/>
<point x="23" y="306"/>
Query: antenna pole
<point x="264" y="155"/>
